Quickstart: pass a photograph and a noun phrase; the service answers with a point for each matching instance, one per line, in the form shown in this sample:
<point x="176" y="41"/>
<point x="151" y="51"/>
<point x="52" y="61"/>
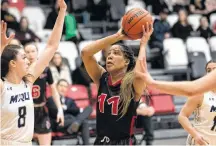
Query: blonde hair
<point x="126" y="92"/>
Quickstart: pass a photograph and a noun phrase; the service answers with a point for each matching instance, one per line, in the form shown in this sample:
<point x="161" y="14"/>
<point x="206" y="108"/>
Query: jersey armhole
<point x="202" y="103"/>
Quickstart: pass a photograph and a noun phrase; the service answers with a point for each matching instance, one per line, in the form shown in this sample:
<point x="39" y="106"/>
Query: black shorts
<point x="106" y="141"/>
<point x="42" y="120"/>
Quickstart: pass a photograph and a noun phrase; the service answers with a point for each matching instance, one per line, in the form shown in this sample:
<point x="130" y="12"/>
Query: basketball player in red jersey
<point x="119" y="87"/>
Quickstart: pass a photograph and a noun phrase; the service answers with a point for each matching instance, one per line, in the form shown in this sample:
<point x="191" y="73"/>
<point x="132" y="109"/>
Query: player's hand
<point x="199" y="139"/>
<point x="147" y="32"/>
<point x="60" y="117"/>
<point x="151" y="111"/>
<point x="4" y="39"/>
<point x="122" y="35"/>
<point x="62" y="5"/>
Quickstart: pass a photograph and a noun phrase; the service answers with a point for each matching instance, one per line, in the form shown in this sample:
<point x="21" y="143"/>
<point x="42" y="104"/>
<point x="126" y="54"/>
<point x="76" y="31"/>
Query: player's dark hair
<point x="10" y="52"/>
<point x="211" y="61"/>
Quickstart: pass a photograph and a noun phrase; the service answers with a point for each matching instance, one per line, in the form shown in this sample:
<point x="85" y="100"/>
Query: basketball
<point x="133" y="20"/>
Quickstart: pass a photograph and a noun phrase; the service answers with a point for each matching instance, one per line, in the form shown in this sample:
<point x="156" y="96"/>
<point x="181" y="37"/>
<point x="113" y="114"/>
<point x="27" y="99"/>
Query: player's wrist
<point x="60" y="111"/>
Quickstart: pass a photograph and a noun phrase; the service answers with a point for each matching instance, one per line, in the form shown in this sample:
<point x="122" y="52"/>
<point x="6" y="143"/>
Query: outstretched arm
<point x="4" y="41"/>
<point x="184" y="88"/>
<point x="188" y="88"/>
<point x="52" y="45"/>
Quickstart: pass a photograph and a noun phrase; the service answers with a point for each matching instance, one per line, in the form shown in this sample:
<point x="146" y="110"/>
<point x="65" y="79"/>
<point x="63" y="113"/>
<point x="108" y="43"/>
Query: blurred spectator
<point x="146" y="112"/>
<point x="51" y="18"/>
<point x="75" y="118"/>
<point x="98" y="9"/>
<point x="80" y="76"/>
<point x="70" y="27"/>
<point x="180" y="4"/>
<point x="117" y="9"/>
<point x="7" y="17"/>
<point x="214" y="27"/>
<point x="71" y="30"/>
<point x="24" y="34"/>
<point x="182" y="29"/>
<point x="59" y="69"/>
<point x="198" y="7"/>
<point x="157" y="5"/>
<point x="204" y="29"/>
<point x="210" y="7"/>
<point x="161" y="30"/>
<point x="15" y="42"/>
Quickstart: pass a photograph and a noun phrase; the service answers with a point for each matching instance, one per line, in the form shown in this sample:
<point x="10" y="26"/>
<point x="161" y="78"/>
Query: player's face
<point x="115" y="60"/>
<point x="62" y="88"/>
<point x="210" y="67"/>
<point x="31" y="53"/>
<point x="21" y="63"/>
<point x="57" y="59"/>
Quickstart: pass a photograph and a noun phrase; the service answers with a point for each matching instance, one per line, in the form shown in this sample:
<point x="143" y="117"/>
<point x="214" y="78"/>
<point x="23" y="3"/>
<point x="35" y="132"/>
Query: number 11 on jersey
<point x="112" y="100"/>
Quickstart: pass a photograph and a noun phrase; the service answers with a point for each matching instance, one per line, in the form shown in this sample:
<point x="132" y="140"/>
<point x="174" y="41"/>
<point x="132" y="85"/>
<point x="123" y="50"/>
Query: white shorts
<point x="9" y="143"/>
<point x="211" y="140"/>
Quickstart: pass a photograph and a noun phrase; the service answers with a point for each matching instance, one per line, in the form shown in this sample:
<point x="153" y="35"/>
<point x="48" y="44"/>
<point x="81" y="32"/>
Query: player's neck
<point x="115" y="77"/>
<point x="13" y="77"/>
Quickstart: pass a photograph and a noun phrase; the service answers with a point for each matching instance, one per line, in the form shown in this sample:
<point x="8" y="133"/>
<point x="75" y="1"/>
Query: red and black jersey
<point x="39" y="86"/>
<point x="109" y="120"/>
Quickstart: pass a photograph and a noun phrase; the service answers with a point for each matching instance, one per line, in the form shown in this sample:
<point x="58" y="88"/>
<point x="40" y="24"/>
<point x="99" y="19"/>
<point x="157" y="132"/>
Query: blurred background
<point x="181" y="44"/>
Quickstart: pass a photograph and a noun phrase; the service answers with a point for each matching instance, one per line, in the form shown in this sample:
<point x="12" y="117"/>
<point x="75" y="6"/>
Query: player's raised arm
<point x="138" y="82"/>
<point x="4" y="40"/>
<point x="93" y="68"/>
<point x="52" y="45"/>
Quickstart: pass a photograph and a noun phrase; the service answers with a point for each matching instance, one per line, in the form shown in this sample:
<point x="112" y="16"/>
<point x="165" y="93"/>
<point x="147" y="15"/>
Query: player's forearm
<point x="56" y="98"/>
<point x="141" y="56"/>
<point x="184" y="121"/>
<point x="188" y="88"/>
<point x="56" y="34"/>
<point x="175" y="88"/>
<point x="99" y="45"/>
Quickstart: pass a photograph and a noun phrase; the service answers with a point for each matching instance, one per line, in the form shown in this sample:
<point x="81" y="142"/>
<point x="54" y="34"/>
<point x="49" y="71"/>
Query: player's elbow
<point x="138" y="75"/>
<point x="180" y="117"/>
<point x="84" y="52"/>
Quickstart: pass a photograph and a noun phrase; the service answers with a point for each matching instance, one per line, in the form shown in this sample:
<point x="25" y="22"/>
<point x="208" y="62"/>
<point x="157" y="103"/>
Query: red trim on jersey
<point x="131" y="128"/>
<point x="110" y="81"/>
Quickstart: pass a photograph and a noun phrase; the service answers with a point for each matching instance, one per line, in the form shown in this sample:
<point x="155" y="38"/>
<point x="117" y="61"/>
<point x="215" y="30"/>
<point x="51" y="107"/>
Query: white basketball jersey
<point x="205" y="115"/>
<point x="17" y="113"/>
